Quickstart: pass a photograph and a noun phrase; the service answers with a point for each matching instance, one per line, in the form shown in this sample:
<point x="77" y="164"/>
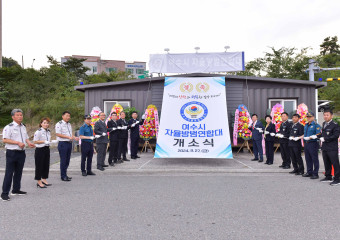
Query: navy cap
<point x="87" y="116"/>
<point x="310" y="114"/>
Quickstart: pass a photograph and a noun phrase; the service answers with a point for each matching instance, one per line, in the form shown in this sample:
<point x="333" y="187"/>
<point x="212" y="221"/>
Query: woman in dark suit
<point x="269" y="137"/>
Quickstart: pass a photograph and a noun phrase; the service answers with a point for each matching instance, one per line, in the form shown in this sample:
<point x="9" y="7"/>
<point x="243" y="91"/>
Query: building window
<point x="139" y="71"/>
<point x="109" y="104"/>
<point x="129" y="70"/>
<point x="108" y="70"/>
<point x="94" y="69"/>
<point x="289" y="105"/>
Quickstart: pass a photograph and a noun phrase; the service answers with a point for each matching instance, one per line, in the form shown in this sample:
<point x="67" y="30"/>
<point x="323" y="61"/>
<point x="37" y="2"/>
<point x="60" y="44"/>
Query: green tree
<point x="330" y="46"/>
<point x="76" y="66"/>
<point x="9" y="62"/>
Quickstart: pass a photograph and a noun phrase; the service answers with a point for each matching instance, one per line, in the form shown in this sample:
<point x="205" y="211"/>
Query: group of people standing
<point x="291" y="135"/>
<point x="15" y="138"/>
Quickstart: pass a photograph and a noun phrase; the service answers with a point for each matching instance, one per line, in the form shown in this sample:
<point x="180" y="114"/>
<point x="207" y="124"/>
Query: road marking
<point x="145" y="164"/>
<point x="243" y="164"/>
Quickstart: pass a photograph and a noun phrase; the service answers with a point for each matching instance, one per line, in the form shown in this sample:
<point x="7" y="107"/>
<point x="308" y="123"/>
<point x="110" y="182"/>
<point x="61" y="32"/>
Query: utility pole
<point x="0" y="33"/>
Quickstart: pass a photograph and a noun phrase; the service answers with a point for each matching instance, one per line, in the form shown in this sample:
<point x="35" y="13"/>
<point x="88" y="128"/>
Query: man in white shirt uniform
<point x="15" y="138"/>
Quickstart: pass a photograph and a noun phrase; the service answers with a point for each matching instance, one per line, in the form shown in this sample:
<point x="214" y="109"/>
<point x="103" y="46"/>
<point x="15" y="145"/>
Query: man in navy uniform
<point x="283" y="136"/>
<point x="114" y="141"/>
<point x="257" y="132"/>
<point x="330" y="148"/>
<point x="311" y="132"/>
<point x="65" y="137"/>
<point x="15" y="138"/>
<point x="123" y="127"/>
<point x="134" y="124"/>
<point x="86" y="136"/>
<point x="295" y="146"/>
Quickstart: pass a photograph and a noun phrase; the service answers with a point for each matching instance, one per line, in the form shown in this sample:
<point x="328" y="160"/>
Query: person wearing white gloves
<point x="257" y="131"/>
<point x="114" y="140"/>
<point x="134" y="124"/>
<point x="311" y="132"/>
<point x="269" y="138"/>
<point x="42" y="141"/>
<point x="86" y="136"/>
<point x="123" y="127"/>
<point x="100" y="131"/>
<point x="295" y="146"/>
<point x="284" y="140"/>
<point x="330" y="148"/>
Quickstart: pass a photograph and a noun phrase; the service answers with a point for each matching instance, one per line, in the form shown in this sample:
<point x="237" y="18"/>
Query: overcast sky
<point x="132" y="29"/>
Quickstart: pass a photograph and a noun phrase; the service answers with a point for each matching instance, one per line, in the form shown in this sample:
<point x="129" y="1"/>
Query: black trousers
<point x="134" y="145"/>
<point x="122" y="148"/>
<point x="113" y="155"/>
<point x="101" y="154"/>
<point x="15" y="161"/>
<point x="285" y="154"/>
<point x="65" y="149"/>
<point x="295" y="154"/>
<point x="270" y="151"/>
<point x="42" y="163"/>
<point x="331" y="158"/>
<point x="86" y="156"/>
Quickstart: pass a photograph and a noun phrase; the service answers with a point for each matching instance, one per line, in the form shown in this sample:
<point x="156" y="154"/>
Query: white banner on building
<point x="194" y="120"/>
<point x="196" y="62"/>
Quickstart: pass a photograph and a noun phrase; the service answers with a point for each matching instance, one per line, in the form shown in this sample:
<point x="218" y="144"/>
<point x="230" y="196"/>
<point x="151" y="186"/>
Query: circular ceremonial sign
<point x="194" y="111"/>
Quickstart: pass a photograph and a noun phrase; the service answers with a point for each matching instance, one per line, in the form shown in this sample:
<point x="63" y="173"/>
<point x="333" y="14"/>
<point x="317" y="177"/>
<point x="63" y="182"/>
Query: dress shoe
<point x="299" y="173"/>
<point x="261" y="160"/>
<point x="43" y="186"/>
<point x="133" y="158"/>
<point x="137" y="156"/>
<point x="254" y="159"/>
<point x="314" y="177"/>
<point x="126" y="160"/>
<point x="84" y="174"/>
<point x="266" y="163"/>
<point x="270" y="163"/>
<point x="281" y="166"/>
<point x="101" y="168"/>
<point x="286" y="167"/>
<point x="105" y="165"/>
<point x="292" y="172"/>
<point x="327" y="179"/>
<point x="46" y="184"/>
<point x="112" y="164"/>
<point x="69" y="177"/>
<point x="65" y="179"/>
<point x="91" y="173"/>
<point x="306" y="175"/>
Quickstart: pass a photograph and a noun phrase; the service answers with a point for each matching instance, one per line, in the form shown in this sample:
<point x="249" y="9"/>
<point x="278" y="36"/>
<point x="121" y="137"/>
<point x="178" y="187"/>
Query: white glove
<point x="261" y="131"/>
<point x="143" y="117"/>
<point x="272" y="134"/>
<point x="97" y="136"/>
<point x="137" y="122"/>
<point x="55" y="141"/>
<point x="113" y="129"/>
<point x="119" y="127"/>
<point x="296" y="139"/>
<point x="92" y="137"/>
<point x="47" y="142"/>
<point x="125" y="127"/>
<point x="306" y="138"/>
<point x="291" y="138"/>
<point x="322" y="139"/>
<point x="266" y="132"/>
<point x="281" y="136"/>
<point x="277" y="135"/>
<point x="104" y="134"/>
<point x="313" y="137"/>
<point x="133" y="124"/>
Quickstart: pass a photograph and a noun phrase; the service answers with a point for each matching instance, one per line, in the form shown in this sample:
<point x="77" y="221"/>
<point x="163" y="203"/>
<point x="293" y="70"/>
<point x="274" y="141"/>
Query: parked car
<point x="325" y="104"/>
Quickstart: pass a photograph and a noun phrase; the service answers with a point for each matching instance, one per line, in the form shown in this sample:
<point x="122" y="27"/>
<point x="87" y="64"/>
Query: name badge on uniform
<point x="327" y="133"/>
<point x="311" y="127"/>
<point x="294" y="131"/>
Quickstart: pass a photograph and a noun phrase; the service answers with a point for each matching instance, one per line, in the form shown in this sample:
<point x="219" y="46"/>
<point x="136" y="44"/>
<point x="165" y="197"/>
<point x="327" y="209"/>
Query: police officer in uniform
<point x="283" y="136"/>
<point x="86" y="136"/>
<point x="330" y="148"/>
<point x="123" y="127"/>
<point x="311" y="132"/>
<point x="134" y="124"/>
<point x="15" y="138"/>
<point x="63" y="131"/>
<point x="295" y="146"/>
<point x="114" y="140"/>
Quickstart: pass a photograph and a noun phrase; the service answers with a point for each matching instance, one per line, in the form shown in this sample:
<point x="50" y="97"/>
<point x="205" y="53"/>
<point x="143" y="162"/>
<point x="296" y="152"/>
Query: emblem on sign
<point x="202" y="87"/>
<point x="194" y="111"/>
<point x="186" y="87"/>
